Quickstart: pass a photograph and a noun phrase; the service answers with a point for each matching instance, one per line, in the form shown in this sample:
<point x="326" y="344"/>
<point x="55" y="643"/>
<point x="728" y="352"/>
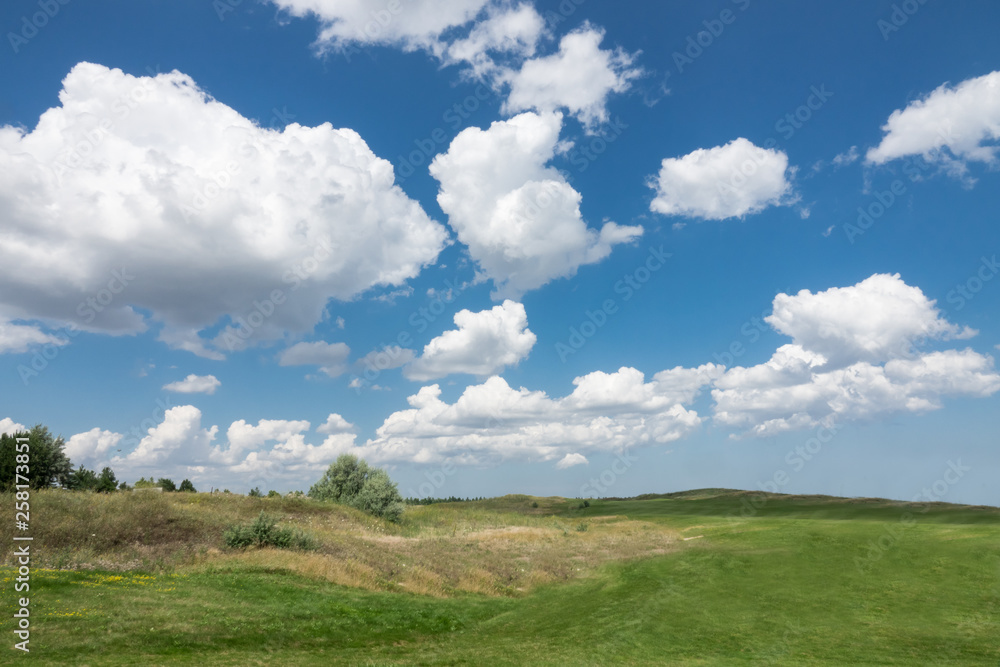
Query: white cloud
<point x="963" y="120"/>
<point x="244" y="437"/>
<point x="491" y="422"/>
<point x="408" y="24"/>
<point x="483" y="344"/>
<point x="579" y="78"/>
<point x="179" y="437"/>
<point x="335" y="424"/>
<point x="18" y="338"/>
<point x="195" y="384"/>
<point x="145" y="193"/>
<point x="879" y="318"/>
<point x="513" y="31"/>
<point x="729" y="181"/>
<point x="855" y="356"/>
<point x="330" y="357"/>
<point x="9" y="426"/>
<point x="571" y="460"/>
<point x="91" y="446"/>
<point x="519" y="218"/>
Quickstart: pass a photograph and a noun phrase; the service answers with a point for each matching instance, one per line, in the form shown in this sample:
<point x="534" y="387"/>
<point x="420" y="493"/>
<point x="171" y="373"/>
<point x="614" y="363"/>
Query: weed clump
<point x="264" y="532"/>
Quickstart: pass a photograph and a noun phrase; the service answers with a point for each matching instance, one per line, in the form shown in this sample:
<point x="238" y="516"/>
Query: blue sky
<point x="782" y="218"/>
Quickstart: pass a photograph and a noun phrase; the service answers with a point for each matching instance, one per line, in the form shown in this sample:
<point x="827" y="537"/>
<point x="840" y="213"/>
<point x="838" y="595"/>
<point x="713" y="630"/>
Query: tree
<point x="187" y="486"/>
<point x="342" y="481"/>
<point x="167" y="484"/>
<point x="351" y="481"/>
<point x="81" y="479"/>
<point x="47" y="462"/>
<point x="106" y="482"/>
<point x="379" y="496"/>
<point x="255" y="492"/>
<point x="144" y="483"/>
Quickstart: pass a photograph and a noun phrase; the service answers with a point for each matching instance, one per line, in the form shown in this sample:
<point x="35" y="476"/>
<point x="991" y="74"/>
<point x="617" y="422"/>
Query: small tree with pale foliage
<point x="351" y="481"/>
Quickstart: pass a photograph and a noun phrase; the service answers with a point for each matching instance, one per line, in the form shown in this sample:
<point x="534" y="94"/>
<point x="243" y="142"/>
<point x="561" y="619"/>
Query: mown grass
<point x="796" y="582"/>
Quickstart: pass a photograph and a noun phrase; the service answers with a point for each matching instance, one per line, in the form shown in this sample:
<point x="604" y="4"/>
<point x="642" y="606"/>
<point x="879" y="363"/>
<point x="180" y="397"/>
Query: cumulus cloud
<point x="951" y="125"/>
<point x="195" y="384"/>
<point x="855" y="355"/>
<point x="492" y="422"/>
<point x="571" y="460"/>
<point x="265" y="454"/>
<point x="178" y="437"/>
<point x="876" y="319"/>
<point x="519" y="217"/>
<point x="510" y="30"/>
<point x="144" y="194"/>
<point x="330" y="357"/>
<point x="91" y="446"/>
<point x="579" y="78"/>
<point x="335" y="424"/>
<point x="729" y="181"/>
<point x="483" y="344"/>
<point x="9" y="426"/>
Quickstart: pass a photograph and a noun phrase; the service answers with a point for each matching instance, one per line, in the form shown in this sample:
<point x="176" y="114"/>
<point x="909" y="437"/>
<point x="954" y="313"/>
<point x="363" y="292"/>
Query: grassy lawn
<point x="799" y="580"/>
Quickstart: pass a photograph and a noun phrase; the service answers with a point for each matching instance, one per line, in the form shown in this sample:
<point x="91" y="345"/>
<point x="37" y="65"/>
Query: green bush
<point x="167" y="484"/>
<point x="264" y="532"/>
<point x="273" y="494"/>
<point x="187" y="487"/>
<point x="351" y="481"/>
<point x="255" y="492"/>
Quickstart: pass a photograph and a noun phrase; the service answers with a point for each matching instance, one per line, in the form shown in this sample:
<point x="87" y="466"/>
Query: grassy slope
<point x="797" y="582"/>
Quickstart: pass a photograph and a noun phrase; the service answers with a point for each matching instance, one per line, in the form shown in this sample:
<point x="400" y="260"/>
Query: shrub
<point x="273" y="494"/>
<point x="187" y="487"/>
<point x="255" y="492"/>
<point x="263" y="532"/>
<point x="144" y="483"/>
<point x="167" y="484"/>
<point x="351" y="481"/>
<point x="534" y="504"/>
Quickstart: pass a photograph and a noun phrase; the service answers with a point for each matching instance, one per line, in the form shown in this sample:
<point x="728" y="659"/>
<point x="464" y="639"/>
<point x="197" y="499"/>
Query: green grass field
<point x="712" y="577"/>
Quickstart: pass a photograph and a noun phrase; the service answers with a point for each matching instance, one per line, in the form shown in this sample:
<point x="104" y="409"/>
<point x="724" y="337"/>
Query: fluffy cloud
<point x="145" y="193"/>
<point x="8" y="425"/>
<point x="484" y="343"/>
<point x="962" y="120"/>
<point x="571" y="460"/>
<point x="266" y="454"/>
<point x="330" y="357"/>
<point x="178" y="437"/>
<point x="17" y="338"/>
<point x="91" y="446"/>
<point x="335" y="424"/>
<point x="195" y="384"/>
<point x="408" y="24"/>
<point x="519" y="218"/>
<point x="244" y="437"/>
<point x="514" y="31"/>
<point x="579" y="78"/>
<point x="728" y="181"/>
<point x="855" y="356"/>
<point x="879" y="318"/>
<point x="492" y="422"/>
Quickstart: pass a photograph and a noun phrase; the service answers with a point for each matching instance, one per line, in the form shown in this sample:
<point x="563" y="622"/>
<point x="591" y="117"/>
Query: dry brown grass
<point x="500" y="547"/>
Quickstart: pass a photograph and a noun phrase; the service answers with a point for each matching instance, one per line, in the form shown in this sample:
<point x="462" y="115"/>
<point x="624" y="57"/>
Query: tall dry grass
<point x="500" y="547"/>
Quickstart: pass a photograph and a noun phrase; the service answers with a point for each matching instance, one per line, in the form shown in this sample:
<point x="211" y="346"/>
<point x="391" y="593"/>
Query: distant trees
<point x="351" y="481"/>
<point x="187" y="487"/>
